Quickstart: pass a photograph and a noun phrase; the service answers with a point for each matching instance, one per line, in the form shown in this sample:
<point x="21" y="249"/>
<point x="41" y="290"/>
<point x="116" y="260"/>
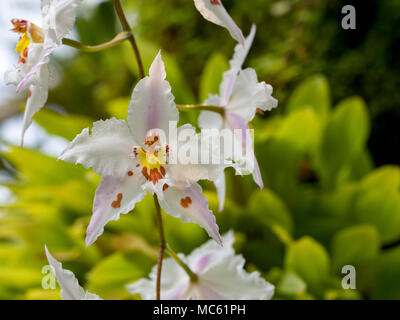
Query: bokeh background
<point x="329" y="154"/>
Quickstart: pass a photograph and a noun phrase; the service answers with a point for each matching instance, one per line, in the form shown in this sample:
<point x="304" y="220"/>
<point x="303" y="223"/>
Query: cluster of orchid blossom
<point x="139" y="156"/>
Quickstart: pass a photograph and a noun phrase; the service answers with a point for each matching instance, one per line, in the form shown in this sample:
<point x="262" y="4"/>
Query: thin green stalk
<point x="127" y="28"/>
<point x="201" y="107"/>
<point x="193" y="277"/>
<point x="162" y="247"/>
<point x="83" y="47"/>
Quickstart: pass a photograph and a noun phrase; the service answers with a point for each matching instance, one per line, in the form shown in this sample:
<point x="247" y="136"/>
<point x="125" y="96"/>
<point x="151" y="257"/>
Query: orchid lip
<point x="152" y="158"/>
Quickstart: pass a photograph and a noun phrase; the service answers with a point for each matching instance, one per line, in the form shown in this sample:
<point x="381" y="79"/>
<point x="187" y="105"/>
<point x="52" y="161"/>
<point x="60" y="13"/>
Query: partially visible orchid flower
<point x="134" y="157"/>
<point x="70" y="288"/>
<point x="240" y="95"/>
<point x="220" y="276"/>
<point x="34" y="48"/>
<point x="214" y="11"/>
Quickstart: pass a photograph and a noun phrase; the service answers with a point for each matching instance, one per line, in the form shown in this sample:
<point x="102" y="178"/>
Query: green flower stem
<point x="162" y="247"/>
<point x="83" y="47"/>
<point x="201" y="107"/>
<point x="127" y="28"/>
<point x="193" y="277"/>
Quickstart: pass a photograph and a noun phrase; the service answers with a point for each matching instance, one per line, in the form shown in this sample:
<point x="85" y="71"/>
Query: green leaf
<point x="355" y="246"/>
<point x="42" y="169"/>
<point x="344" y="137"/>
<point x="309" y="260"/>
<point x="109" y="277"/>
<point x="118" y="107"/>
<point x="313" y="92"/>
<point x="211" y="76"/>
<point x="20" y="277"/>
<point x="386" y="177"/>
<point x="66" y="126"/>
<point x="387" y="284"/>
<point x="381" y="208"/>
<point x="291" y="284"/>
<point x="270" y="210"/>
<point x="301" y="128"/>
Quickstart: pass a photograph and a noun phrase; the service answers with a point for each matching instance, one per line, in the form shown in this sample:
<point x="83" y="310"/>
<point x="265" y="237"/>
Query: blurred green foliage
<point x="324" y="204"/>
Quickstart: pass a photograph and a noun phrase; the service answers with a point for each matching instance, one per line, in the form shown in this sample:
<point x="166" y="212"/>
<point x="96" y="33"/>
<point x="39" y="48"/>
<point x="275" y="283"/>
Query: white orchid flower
<point x="35" y="46"/>
<point x="214" y="11"/>
<point x="70" y="288"/>
<point x="134" y="157"/>
<point x="240" y="95"/>
<point x="220" y="276"/>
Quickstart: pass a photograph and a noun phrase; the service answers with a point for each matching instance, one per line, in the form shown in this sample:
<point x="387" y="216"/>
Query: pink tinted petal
<point x="113" y="197"/>
<point x="237" y="123"/>
<point x="214" y="11"/>
<point x="236" y="63"/>
<point x="201" y="263"/>
<point x="152" y="104"/>
<point x="177" y="293"/>
<point x="188" y="203"/>
<point x="205" y="292"/>
<point x="43" y="60"/>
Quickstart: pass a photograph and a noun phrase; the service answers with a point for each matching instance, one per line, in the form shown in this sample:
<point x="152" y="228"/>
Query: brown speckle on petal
<point x="185" y="202"/>
<point x="117" y="203"/>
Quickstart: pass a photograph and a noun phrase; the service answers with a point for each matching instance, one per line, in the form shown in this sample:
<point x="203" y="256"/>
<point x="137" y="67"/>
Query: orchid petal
<point x="58" y="18"/>
<point x="248" y="95"/>
<point x="152" y="104"/>
<point x="113" y="197"/>
<point x="220" y="186"/>
<point x="174" y="285"/>
<point x="245" y="286"/>
<point x="210" y="120"/>
<point x="210" y="253"/>
<point x="236" y="63"/>
<point x="44" y="59"/>
<point x="70" y="288"/>
<point x="188" y="203"/>
<point x="107" y="149"/>
<point x="204" y="291"/>
<point x="37" y="98"/>
<point x="222" y="275"/>
<point x="214" y="11"/>
<point x="193" y="168"/>
<point x="236" y="123"/>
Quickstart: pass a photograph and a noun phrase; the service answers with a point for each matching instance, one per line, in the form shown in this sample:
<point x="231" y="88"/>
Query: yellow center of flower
<point x="152" y="159"/>
<point x="23" y="44"/>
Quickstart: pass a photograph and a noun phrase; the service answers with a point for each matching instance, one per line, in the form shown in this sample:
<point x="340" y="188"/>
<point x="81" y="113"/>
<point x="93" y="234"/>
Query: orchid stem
<point x="201" y="107"/>
<point x="162" y="247"/>
<point x="127" y="28"/>
<point x="83" y="47"/>
<point x="193" y="277"/>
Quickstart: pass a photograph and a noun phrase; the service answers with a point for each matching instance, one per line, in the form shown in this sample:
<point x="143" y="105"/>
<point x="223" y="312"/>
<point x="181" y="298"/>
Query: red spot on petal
<point x="185" y="202"/>
<point x="117" y="203"/>
<point x="215" y="2"/>
<point x="26" y="53"/>
<point x="165" y="187"/>
<point x="155" y="175"/>
<point x="145" y="173"/>
<point x="138" y="165"/>
<point x="29" y="94"/>
<point x="162" y="171"/>
<point x="130" y="173"/>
